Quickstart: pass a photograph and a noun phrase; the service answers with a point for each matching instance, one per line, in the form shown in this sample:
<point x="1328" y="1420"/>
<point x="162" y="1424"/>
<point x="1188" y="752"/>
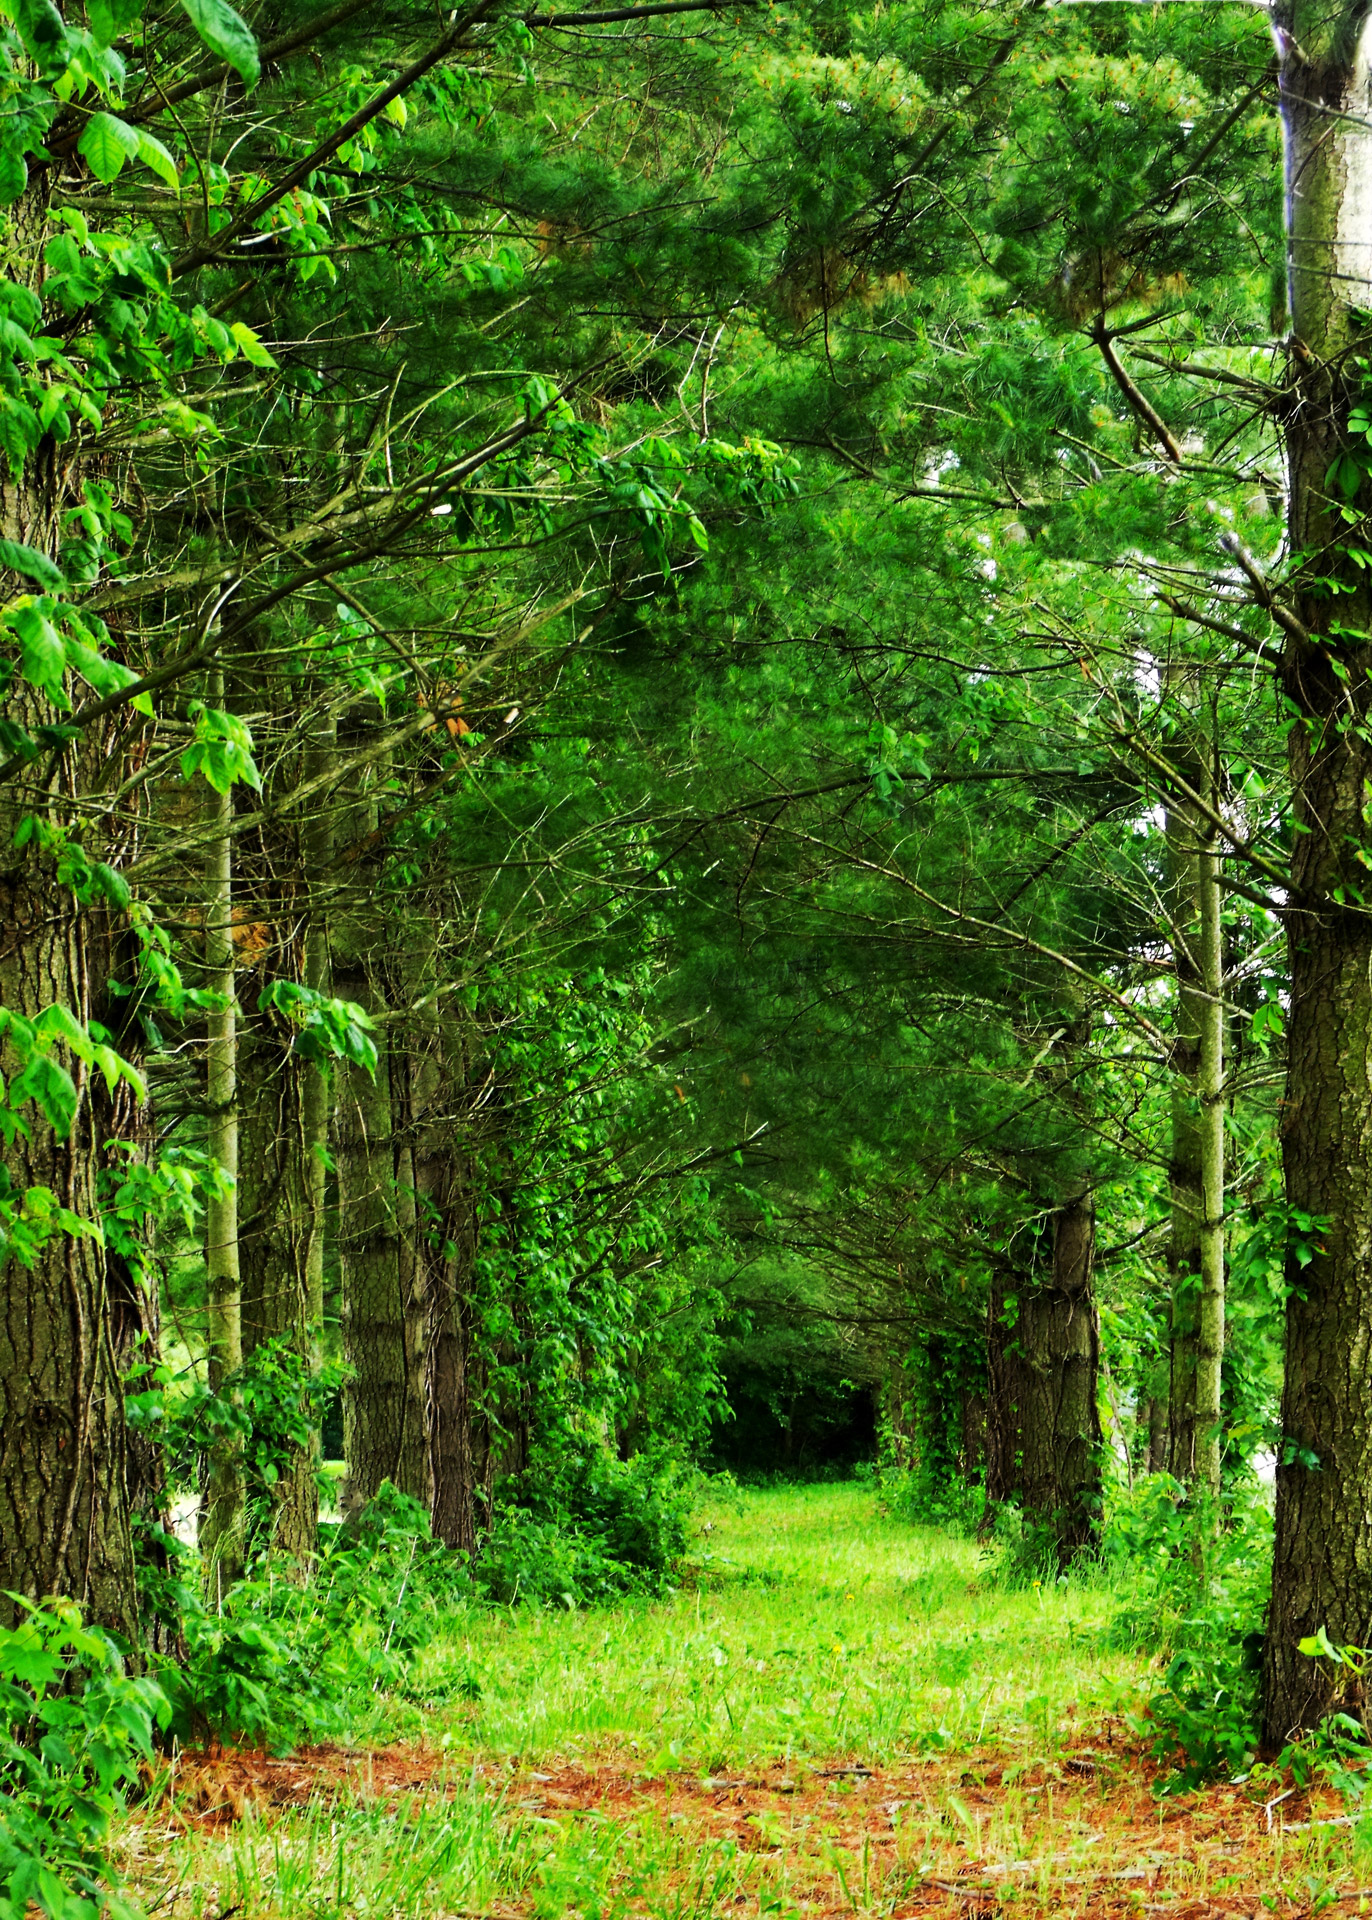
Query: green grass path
<point x="819" y="1626"/>
<point x="695" y="1759"/>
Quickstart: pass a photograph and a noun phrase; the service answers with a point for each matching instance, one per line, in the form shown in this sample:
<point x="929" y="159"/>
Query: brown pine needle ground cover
<point x="915" y="1744"/>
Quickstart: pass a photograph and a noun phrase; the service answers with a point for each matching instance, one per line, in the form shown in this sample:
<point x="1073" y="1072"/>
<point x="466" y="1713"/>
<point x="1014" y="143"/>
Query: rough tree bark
<point x="1210" y="1096"/>
<point x="384" y="1415"/>
<point x="1003" y="1394"/>
<point x="223" y="1516"/>
<point x="1322" y="1574"/>
<point x="286" y="1104"/>
<point x="437" y="1126"/>
<point x="64" y="1496"/>
<point x="1058" y="1335"/>
<point x="1196" y="1174"/>
<point x="1184" y="1169"/>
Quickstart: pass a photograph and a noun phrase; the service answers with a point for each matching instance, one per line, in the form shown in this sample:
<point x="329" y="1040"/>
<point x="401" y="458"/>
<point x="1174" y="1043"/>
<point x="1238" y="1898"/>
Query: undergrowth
<point x="75" y="1728"/>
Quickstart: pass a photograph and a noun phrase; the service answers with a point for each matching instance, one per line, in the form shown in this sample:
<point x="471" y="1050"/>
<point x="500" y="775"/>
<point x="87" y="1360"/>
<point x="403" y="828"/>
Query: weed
<point x="580" y="1526"/>
<point x="75" y="1728"/>
<point x="1198" y="1598"/>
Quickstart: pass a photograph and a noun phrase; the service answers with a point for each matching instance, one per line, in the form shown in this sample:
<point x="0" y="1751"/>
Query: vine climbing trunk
<point x="1322" y="1570"/>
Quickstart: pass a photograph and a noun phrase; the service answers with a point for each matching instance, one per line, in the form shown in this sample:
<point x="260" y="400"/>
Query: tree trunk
<point x="69" y="1308"/>
<point x="1185" y="1181"/>
<point x="1322" y="1572"/>
<point x="64" y="1498"/>
<point x="1210" y="1092"/>
<point x="973" y="1435"/>
<point x="1060" y="1435"/>
<point x="1003" y="1396"/>
<point x="223" y="1522"/>
<point x="286" y="1102"/>
<point x="443" y="1179"/>
<point x="297" y="1532"/>
<point x="384" y="1416"/>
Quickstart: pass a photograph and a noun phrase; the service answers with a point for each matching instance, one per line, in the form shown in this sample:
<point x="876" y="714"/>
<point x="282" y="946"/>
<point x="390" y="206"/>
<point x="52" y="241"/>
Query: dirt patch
<point x="217" y="1789"/>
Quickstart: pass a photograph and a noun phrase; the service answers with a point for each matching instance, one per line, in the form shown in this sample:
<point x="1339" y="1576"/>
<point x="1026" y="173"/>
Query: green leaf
<point x="60" y="1022"/>
<point x="109" y="18"/>
<point x="153" y="154"/>
<point x="250" y="346"/>
<point x="112" y="884"/>
<point x="14" y="175"/>
<point x="30" y="562"/>
<point x="105" y="676"/>
<point x="227" y="34"/>
<point x="44" y="658"/>
<point x="106" y="144"/>
<point x="40" y="28"/>
<point x="51" y="1087"/>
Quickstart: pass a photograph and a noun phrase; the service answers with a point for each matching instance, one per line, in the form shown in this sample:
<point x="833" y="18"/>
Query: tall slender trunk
<point x="1210" y="1093"/>
<point x="1198" y="1130"/>
<point x="447" y="1252"/>
<point x="1004" y="1441"/>
<point x="1322" y="1572"/>
<point x="224" y="1517"/>
<point x="1184" y="1176"/>
<point x="64" y="1446"/>
<point x="296" y="1531"/>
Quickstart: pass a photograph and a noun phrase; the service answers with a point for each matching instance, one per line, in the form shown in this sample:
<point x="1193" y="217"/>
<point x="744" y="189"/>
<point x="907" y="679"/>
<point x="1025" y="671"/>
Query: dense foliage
<point x="685" y="702"/>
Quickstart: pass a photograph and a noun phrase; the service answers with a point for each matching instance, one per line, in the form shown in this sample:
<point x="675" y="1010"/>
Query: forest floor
<point x="843" y="1717"/>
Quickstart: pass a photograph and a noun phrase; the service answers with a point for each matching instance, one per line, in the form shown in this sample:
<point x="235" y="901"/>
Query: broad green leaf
<point x="153" y="154"/>
<point x="14" y="175"/>
<point x="227" y="34"/>
<point x="106" y="676"/>
<point x="51" y="1087"/>
<point x="250" y="346"/>
<point x="30" y="562"/>
<point x="44" y="658"/>
<point x="60" y="1021"/>
<point x="106" y="144"/>
<point x="40" y="28"/>
<point x="109" y="18"/>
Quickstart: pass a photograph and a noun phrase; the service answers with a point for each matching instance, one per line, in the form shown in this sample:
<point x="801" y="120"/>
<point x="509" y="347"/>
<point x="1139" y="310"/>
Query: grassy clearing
<point x="842" y="1717"/>
<point x="817" y="1627"/>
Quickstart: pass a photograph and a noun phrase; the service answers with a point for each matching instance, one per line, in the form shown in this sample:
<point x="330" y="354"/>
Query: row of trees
<point x="661" y="641"/>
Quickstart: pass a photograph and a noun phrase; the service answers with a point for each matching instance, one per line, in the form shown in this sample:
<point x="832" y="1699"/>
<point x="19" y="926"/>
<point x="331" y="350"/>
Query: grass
<point x="842" y="1716"/>
<point x="816" y="1627"/>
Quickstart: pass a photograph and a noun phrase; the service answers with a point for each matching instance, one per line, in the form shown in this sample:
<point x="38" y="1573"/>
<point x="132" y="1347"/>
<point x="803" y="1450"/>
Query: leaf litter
<point x="1082" y="1834"/>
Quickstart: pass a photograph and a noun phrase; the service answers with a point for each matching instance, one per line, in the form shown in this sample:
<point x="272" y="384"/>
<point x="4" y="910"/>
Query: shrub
<point x="580" y="1525"/>
<point x="1020" y="1551"/>
<point x="1199" y="1600"/>
<point x="282" y="1662"/>
<point x="74" y="1730"/>
<point x="926" y="1499"/>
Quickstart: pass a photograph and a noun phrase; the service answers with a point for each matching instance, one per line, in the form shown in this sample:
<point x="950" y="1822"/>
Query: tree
<point x="1322" y="1576"/>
